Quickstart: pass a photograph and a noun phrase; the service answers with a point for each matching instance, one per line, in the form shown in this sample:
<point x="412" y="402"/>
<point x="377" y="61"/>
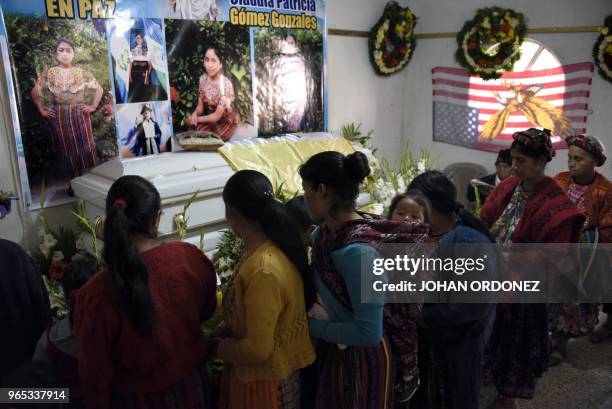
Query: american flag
<point x="465" y="106"/>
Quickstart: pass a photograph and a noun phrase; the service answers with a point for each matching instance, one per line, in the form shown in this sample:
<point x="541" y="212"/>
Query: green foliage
<point x="181" y="220"/>
<point x="352" y="133"/>
<point x="93" y="228"/>
<point x="478" y="201"/>
<point x="267" y="43"/>
<point x="186" y="41"/>
<point x="281" y="195"/>
<point x="32" y="50"/>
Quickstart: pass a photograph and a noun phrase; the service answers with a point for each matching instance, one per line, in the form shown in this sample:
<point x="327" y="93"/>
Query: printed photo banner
<point x="94" y="80"/>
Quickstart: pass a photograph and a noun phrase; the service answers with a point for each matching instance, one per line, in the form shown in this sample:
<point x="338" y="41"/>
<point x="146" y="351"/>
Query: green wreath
<point x="602" y="50"/>
<point x="490" y="43"/>
<point x="391" y="43"/>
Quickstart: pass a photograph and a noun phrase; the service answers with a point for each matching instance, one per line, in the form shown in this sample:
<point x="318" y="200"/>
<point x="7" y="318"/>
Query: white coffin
<point x="176" y="176"/>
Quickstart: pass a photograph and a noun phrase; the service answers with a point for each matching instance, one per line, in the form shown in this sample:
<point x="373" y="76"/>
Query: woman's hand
<point x="225" y="102"/>
<point x="89" y="109"/>
<point x="193" y="119"/>
<point x="317" y="312"/>
<point x="47" y="113"/>
<point x="219" y="112"/>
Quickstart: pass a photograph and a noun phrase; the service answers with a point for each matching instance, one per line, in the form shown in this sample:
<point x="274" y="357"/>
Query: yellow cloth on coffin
<point x="280" y="158"/>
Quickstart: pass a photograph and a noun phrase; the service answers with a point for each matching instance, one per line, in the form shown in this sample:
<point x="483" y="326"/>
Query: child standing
<point x="412" y="207"/>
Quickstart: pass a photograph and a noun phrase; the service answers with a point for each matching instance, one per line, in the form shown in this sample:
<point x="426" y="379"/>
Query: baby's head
<point x="411" y="206"/>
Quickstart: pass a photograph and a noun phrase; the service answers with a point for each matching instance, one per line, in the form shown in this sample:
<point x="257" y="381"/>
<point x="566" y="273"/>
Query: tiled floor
<point x="582" y="381"/>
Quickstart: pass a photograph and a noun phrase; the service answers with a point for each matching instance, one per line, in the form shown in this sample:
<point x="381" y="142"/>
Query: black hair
<point x="76" y="274"/>
<point x="132" y="207"/>
<point x="418" y="197"/>
<point x="64" y="40"/>
<point x="442" y="194"/>
<point x="145" y="108"/>
<point x="297" y="209"/>
<point x="504" y="156"/>
<point x="341" y="175"/>
<point x="218" y="53"/>
<point x="141" y="35"/>
<point x="250" y="193"/>
<point x="534" y="143"/>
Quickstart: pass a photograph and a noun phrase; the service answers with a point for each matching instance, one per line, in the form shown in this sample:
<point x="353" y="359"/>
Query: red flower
<point x="472" y="45"/>
<point x="394" y="62"/>
<point x="385" y="56"/>
<point x="404" y="50"/>
<point x="174" y="95"/>
<point x="482" y="62"/>
<point x="506" y="26"/>
<point x="498" y="61"/>
<point x="386" y="39"/>
<point x="56" y="270"/>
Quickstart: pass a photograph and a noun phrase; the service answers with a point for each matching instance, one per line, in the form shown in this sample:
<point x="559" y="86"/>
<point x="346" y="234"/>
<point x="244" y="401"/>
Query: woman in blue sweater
<point x="453" y="335"/>
<point x="355" y="359"/>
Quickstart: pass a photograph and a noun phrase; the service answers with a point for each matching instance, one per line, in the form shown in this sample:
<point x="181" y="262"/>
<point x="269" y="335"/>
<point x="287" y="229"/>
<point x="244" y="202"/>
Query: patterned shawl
<point x="549" y="216"/>
<point x="398" y="321"/>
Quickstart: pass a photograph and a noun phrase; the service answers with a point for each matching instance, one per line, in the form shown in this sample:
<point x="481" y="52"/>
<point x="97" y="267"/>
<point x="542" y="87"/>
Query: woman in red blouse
<point x="138" y="320"/>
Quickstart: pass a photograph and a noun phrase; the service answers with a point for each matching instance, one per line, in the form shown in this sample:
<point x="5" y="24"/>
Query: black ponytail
<point x="442" y="195"/>
<point x="250" y="193"/>
<point x="132" y="207"/>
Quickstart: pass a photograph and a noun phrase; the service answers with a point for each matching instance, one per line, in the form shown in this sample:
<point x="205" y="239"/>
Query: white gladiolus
<point x="81" y="243"/>
<point x="421" y="166"/>
<point x="57" y="256"/>
<point x="48" y="241"/>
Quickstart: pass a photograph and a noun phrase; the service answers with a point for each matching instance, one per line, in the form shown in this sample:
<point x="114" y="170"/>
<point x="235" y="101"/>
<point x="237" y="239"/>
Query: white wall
<point x="356" y="93"/>
<point x="444" y="16"/>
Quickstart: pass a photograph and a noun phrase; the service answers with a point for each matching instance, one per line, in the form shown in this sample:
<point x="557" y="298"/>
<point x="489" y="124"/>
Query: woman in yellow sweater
<point x="265" y="338"/>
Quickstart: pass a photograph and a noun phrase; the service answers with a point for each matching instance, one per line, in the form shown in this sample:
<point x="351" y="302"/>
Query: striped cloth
<point x="189" y="393"/>
<point x="74" y="138"/>
<point x="478" y="114"/>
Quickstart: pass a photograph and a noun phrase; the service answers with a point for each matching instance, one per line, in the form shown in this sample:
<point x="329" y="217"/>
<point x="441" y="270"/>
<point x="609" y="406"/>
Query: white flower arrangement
<point x="389" y="181"/>
<point x="490" y="43"/>
<point x="230" y="251"/>
<point x="392" y="40"/>
<point x="499" y="67"/>
<point x="602" y="50"/>
<point x="47" y="241"/>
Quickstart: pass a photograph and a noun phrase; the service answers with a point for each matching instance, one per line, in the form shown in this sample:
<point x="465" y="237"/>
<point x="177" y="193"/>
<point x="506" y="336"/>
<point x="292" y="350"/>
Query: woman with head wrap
<point x="528" y="207"/>
<point x="591" y="192"/>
